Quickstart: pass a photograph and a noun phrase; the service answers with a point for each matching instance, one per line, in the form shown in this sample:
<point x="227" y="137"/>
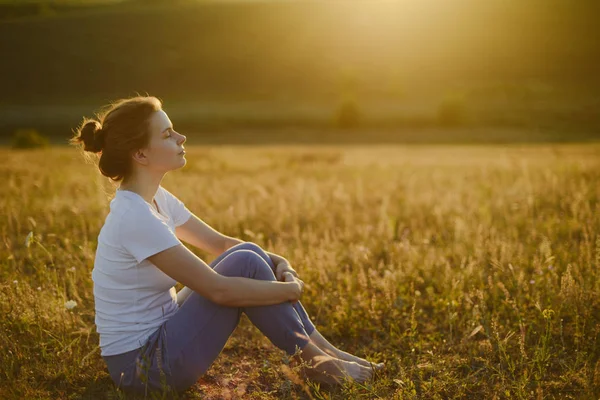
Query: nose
<point x="182" y="139"/>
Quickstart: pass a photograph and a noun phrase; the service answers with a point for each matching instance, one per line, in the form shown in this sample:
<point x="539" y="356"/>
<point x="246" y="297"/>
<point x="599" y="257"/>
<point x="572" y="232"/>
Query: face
<point x="164" y="152"/>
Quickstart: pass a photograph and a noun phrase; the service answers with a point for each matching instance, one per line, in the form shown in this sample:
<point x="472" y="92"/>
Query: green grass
<point x="472" y="271"/>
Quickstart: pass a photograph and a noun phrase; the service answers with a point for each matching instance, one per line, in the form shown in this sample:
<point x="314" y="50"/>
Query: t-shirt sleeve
<point x="179" y="212"/>
<point x="143" y="234"/>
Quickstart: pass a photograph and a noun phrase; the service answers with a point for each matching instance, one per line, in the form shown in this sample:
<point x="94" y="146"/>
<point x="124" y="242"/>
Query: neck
<point x="146" y="185"/>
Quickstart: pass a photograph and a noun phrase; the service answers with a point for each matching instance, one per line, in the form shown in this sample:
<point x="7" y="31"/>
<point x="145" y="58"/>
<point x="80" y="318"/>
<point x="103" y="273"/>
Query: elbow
<point x="217" y="298"/>
<point x="219" y="293"/>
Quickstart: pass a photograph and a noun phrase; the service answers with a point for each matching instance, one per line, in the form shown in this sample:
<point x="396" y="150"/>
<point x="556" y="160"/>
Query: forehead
<point x="159" y="121"/>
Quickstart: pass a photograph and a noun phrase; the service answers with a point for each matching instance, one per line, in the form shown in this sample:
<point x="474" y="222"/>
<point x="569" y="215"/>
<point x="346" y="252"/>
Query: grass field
<point x="472" y="271"/>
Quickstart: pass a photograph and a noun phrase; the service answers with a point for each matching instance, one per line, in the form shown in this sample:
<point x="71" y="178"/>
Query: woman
<point x="149" y="334"/>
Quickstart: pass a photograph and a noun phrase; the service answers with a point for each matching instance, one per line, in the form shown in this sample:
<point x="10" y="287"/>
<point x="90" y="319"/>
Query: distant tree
<point x="28" y="139"/>
<point x="348" y="114"/>
<point x="452" y="111"/>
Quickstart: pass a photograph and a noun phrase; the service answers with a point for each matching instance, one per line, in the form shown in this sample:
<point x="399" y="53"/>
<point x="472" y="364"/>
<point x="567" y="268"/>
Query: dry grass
<point x="471" y="271"/>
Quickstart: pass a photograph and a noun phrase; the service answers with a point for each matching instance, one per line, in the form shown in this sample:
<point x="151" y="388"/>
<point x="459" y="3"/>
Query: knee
<point x="258" y="250"/>
<point x="244" y="262"/>
<point x="245" y="256"/>
<point x="250" y="246"/>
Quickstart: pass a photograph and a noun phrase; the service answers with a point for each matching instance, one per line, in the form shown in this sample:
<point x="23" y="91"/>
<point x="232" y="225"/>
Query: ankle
<point x="327" y="348"/>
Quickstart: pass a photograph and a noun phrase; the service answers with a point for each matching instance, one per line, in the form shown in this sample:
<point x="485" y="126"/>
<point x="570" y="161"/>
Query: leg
<point x="182" y="295"/>
<point x="323" y="347"/>
<point x="196" y="334"/>
<point x="314" y="335"/>
<point x="308" y="325"/>
<point x="274" y="322"/>
<point x="152" y="368"/>
<point x="279" y="322"/>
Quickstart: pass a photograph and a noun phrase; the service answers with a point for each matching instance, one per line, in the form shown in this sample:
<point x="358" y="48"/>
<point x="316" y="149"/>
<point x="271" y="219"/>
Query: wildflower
<point x="532" y="281"/>
<point x="15" y="281"/>
<point x="548" y="313"/>
<point x="72" y="269"/>
<point x="39" y="288"/>
<point x="29" y="239"/>
<point x="69" y="305"/>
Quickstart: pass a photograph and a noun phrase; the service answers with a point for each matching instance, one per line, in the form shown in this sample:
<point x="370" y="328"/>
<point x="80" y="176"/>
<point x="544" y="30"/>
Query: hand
<point x="298" y="288"/>
<point x="282" y="268"/>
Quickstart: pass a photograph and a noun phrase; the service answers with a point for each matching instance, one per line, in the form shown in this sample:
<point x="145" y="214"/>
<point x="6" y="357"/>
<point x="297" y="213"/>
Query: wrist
<point x="292" y="290"/>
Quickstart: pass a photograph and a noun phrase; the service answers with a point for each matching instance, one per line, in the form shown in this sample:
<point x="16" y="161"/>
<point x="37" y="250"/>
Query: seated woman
<point x="149" y="334"/>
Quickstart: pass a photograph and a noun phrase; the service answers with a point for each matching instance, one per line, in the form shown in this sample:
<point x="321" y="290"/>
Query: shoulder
<point x="177" y="209"/>
<point x="162" y="190"/>
<point x="136" y="217"/>
<point x="168" y="196"/>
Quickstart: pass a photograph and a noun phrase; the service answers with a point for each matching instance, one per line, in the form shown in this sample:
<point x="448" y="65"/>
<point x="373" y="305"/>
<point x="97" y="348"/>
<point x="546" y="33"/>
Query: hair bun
<point x="92" y="136"/>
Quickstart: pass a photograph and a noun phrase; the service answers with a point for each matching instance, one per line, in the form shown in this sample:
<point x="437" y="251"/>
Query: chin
<point x="177" y="166"/>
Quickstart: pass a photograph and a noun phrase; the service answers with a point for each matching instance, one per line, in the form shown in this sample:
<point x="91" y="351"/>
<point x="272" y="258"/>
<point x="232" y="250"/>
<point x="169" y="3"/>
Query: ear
<point x="140" y="157"/>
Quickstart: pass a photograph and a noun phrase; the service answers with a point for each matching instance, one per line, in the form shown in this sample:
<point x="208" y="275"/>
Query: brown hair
<point x="117" y="132"/>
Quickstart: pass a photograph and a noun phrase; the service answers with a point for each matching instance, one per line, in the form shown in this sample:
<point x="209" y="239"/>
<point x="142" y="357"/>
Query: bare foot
<point x="342" y="355"/>
<point x="333" y="371"/>
<point x="333" y="351"/>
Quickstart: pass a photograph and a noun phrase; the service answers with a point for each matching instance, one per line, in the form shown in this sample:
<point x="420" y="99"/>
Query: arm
<point x="201" y="235"/>
<point x="282" y="266"/>
<point x="184" y="266"/>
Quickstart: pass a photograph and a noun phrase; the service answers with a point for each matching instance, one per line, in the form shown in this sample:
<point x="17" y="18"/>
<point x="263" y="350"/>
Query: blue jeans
<point x="182" y="349"/>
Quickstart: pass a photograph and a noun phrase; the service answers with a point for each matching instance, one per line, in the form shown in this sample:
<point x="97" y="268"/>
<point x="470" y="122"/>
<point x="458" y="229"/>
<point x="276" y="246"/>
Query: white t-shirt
<point x="132" y="296"/>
